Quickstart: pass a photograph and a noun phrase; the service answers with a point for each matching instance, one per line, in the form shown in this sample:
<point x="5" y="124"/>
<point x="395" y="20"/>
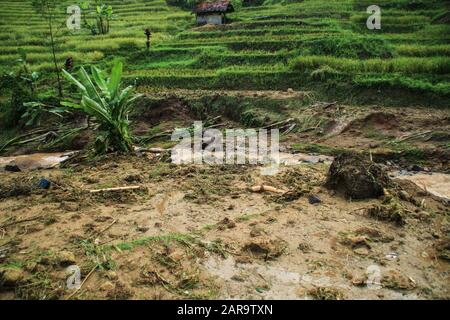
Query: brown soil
<point x="170" y="239"/>
<point x="194" y="231"/>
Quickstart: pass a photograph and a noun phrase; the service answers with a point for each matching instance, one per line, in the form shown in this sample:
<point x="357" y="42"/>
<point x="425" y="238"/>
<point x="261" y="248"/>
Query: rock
<point x="313" y="199"/>
<point x="11" y="277"/>
<point x="66" y="258"/>
<point x="357" y="177"/>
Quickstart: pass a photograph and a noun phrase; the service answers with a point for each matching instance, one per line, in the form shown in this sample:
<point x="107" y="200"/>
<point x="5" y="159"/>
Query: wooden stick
<point x="263" y="188"/>
<point x="115" y="189"/>
<point x="106" y="228"/>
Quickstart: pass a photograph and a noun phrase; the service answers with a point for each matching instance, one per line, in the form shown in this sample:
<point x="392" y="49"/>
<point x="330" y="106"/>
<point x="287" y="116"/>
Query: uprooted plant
<point x="102" y="99"/>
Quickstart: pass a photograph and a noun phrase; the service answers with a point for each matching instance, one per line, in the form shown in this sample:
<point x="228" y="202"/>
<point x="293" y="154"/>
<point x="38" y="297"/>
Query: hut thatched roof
<point x="221" y="6"/>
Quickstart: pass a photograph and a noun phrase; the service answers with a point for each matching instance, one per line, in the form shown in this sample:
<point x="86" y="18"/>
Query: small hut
<point x="212" y="12"/>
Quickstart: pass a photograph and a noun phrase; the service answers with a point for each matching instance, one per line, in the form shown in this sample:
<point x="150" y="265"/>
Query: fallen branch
<point x="153" y="150"/>
<point x="115" y="189"/>
<point x="413" y="135"/>
<point x="18" y="221"/>
<point x="284" y="122"/>
<point x="263" y="188"/>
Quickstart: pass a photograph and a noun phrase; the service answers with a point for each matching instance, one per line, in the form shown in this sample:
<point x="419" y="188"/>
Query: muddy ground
<point x="198" y="231"/>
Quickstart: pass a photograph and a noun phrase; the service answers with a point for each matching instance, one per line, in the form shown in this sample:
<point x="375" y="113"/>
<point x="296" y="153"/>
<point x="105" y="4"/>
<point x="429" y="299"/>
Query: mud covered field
<point x="199" y="231"/>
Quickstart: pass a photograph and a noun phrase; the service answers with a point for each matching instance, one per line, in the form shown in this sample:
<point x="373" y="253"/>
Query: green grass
<point x="276" y="45"/>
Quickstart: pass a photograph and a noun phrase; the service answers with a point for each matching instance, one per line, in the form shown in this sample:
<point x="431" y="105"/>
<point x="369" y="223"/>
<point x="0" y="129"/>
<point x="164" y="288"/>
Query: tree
<point x="102" y="99"/>
<point x="48" y="10"/>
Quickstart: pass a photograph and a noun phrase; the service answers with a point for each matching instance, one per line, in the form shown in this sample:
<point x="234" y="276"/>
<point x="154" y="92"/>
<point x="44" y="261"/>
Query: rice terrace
<point x="225" y="149"/>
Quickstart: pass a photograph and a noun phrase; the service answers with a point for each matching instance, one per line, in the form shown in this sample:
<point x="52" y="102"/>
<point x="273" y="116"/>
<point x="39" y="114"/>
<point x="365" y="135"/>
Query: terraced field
<point x="87" y="178"/>
<point x="273" y="46"/>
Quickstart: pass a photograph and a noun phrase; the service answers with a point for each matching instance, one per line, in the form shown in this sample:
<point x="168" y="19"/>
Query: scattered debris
<point x="12" y="167"/>
<point x="257" y="231"/>
<point x="355" y="241"/>
<point x="17" y="186"/>
<point x="305" y="247"/>
<point x="391" y="256"/>
<point x="326" y="293"/>
<point x="44" y="184"/>
<point x="390" y="210"/>
<point x="66" y="258"/>
<point x="266" y="249"/>
<point x="226" y="223"/>
<point x="443" y="249"/>
<point x="393" y="279"/>
<point x="11" y="277"/>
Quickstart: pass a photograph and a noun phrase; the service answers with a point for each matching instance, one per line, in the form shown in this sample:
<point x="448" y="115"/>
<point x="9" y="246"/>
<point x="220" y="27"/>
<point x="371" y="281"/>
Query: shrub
<point x="110" y="106"/>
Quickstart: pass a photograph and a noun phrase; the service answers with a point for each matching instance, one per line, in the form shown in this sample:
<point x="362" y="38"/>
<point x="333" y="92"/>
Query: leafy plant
<point x="103" y="14"/>
<point x="102" y="99"/>
<point x="35" y="111"/>
<point x="20" y="84"/>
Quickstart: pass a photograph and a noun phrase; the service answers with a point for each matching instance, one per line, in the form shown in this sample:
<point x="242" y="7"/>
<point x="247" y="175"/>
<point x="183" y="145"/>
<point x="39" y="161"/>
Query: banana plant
<point x="102" y="99"/>
<point x="103" y="14"/>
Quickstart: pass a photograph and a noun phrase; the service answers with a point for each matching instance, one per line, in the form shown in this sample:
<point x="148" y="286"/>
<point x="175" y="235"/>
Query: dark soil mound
<point x="154" y="111"/>
<point x="376" y="120"/>
<point x="357" y="177"/>
<point x="15" y="187"/>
